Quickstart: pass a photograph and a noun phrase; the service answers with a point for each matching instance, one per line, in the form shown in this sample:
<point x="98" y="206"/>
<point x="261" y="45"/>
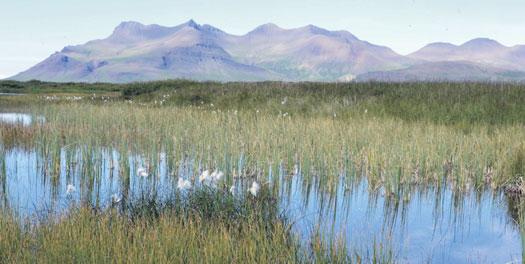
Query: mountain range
<point x="137" y="52"/>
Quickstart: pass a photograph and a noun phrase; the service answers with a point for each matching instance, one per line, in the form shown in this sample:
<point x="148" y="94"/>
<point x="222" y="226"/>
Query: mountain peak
<point x="192" y="23"/>
<point x="482" y="43"/>
<point x="266" y="28"/>
<point x="128" y="25"/>
<point x="135" y="31"/>
<point x="440" y="45"/>
<point x="127" y="29"/>
<point x="434" y="51"/>
<point x="315" y="29"/>
<point x="205" y="27"/>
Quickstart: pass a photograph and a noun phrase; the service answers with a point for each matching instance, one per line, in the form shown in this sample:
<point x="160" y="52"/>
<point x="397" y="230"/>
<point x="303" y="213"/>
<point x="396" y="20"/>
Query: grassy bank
<point x="460" y="104"/>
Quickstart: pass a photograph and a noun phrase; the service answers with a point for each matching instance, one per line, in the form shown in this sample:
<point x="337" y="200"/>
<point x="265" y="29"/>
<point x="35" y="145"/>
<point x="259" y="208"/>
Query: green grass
<point x="385" y="132"/>
<point x="443" y="103"/>
<point x="87" y="237"/>
<point x="382" y="149"/>
<point x="397" y="136"/>
<point x="459" y="104"/>
<point x="208" y="227"/>
<point x="38" y="87"/>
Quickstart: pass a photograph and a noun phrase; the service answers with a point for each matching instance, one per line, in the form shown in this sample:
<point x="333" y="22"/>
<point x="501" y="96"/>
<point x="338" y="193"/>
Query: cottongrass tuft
<point x="183" y="185"/>
<point x="70" y="189"/>
<point x="211" y="180"/>
<point x="115" y="198"/>
<point x="205" y="175"/>
<point x="254" y="189"/>
<point x="142" y="172"/>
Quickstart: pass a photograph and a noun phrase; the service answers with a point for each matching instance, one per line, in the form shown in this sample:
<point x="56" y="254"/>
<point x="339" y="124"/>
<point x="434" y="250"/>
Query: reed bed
<point x="388" y="152"/>
<point x="400" y="138"/>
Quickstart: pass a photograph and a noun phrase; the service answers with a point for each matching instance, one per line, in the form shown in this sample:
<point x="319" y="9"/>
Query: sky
<point x="31" y="30"/>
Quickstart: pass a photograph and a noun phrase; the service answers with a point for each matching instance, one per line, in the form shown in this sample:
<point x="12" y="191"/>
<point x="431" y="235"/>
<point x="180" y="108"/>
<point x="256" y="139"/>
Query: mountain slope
<point x="312" y="53"/>
<point x="137" y="52"/>
<point x="455" y="71"/>
<point x="481" y="50"/>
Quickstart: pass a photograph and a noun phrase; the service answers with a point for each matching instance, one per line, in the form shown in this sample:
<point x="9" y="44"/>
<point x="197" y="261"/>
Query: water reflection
<point x="10" y="94"/>
<point x="16" y="118"/>
<point x="420" y="224"/>
<point x="430" y="227"/>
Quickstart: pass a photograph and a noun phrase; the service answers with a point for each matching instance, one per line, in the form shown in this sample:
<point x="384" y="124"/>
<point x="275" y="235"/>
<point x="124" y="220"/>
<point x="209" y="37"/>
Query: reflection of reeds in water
<point x="516" y="212"/>
<point x="100" y="173"/>
<point x="206" y="224"/>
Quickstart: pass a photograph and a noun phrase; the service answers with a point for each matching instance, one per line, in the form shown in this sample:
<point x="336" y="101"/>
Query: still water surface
<point x="434" y="225"/>
<point x="16" y="118"/>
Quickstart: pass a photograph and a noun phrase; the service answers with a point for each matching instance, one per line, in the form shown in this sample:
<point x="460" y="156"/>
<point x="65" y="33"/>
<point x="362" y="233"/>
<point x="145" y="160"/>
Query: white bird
<point x="254" y="189"/>
<point x="115" y="198"/>
<point x="183" y="184"/>
<point x="204" y="176"/>
<point x="141" y="172"/>
<point x="70" y="189"/>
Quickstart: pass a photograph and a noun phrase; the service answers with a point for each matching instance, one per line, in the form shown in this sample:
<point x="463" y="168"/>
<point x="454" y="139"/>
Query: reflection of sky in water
<point x="14" y="118"/>
<point x="480" y="231"/>
<point x="10" y="94"/>
<point x="20" y="118"/>
<point x="428" y="227"/>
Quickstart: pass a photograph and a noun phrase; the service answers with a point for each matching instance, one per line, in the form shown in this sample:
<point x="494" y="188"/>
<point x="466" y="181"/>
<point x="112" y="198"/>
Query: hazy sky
<point x="31" y="30"/>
